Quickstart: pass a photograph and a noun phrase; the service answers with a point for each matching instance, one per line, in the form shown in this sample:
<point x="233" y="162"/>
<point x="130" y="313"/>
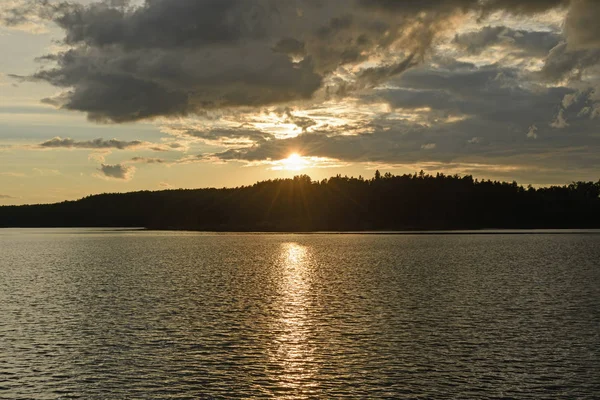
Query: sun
<point x="294" y="162"/>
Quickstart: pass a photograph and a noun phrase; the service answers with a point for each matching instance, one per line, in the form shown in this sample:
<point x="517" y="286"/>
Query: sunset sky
<point x="117" y="95"/>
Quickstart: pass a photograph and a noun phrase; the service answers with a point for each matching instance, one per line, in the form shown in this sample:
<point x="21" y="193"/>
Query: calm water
<point x="105" y="314"/>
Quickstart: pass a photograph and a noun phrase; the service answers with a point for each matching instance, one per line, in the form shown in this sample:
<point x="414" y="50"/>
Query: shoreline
<point x="523" y="231"/>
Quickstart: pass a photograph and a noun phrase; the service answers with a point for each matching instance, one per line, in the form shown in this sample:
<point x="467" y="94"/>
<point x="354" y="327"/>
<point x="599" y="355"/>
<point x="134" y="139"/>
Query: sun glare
<point x="295" y="162"/>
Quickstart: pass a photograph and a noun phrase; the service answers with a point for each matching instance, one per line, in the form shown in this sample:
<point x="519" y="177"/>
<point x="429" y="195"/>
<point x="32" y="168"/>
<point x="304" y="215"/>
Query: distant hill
<point x="385" y="202"/>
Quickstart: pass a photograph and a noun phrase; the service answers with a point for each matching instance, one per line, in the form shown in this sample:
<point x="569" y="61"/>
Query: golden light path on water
<point x="293" y="351"/>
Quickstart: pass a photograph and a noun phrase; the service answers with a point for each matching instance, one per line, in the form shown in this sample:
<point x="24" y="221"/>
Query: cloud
<point x="301" y="122"/>
<point x="528" y="43"/>
<point x="570" y="99"/>
<point x="175" y="58"/>
<point x="510" y="6"/>
<point x="222" y="135"/>
<point x="347" y="148"/>
<point x="117" y="171"/>
<point x="489" y="92"/>
<point x="172" y="58"/>
<point x="69" y="143"/>
<point x="472" y="114"/>
<point x="532" y="132"/>
<point x="139" y="84"/>
<point x="147" y="160"/>
<point x="560" y="121"/>
<point x="374" y="75"/>
<point x="390" y="143"/>
<point x="563" y="63"/>
<point x="369" y="81"/>
<point x="6" y="197"/>
<point x="105" y="145"/>
<point x="501" y="153"/>
<point x="581" y="26"/>
<point x="99" y="155"/>
<point x="290" y="46"/>
<point x="23" y="15"/>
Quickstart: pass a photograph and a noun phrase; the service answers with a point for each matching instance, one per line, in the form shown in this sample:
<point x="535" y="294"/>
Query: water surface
<point x="94" y="314"/>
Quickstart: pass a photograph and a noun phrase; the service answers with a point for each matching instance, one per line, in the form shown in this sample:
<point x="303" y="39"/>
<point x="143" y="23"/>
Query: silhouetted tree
<point x="412" y="201"/>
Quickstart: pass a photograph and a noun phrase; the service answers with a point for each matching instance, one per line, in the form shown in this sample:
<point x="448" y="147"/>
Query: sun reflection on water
<point x="293" y="350"/>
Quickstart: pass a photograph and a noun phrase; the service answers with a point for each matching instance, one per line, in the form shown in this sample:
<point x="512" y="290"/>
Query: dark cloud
<point x="489" y="93"/>
<point x="529" y="43"/>
<point x="472" y="115"/>
<point x="290" y="46"/>
<point x="120" y="85"/>
<point x="226" y="135"/>
<point x="409" y="6"/>
<point x="582" y="27"/>
<point x="520" y="7"/>
<point x="580" y="53"/>
<point x="180" y="57"/>
<point x="405" y="143"/>
<point x="117" y="171"/>
<point x="104" y="144"/>
<point x="563" y="63"/>
<point x="5" y="197"/>
<point x="59" y="142"/>
<point x="485" y="6"/>
<point x="301" y="122"/>
<point x="375" y="75"/>
<point x="183" y="22"/>
<point x="175" y="57"/>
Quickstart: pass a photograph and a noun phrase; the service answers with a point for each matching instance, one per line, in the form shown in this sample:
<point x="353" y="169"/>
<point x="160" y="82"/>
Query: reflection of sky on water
<point x="293" y="351"/>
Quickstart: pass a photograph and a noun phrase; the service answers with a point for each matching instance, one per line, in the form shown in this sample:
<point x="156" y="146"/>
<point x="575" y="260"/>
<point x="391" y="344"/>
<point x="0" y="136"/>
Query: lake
<point x="95" y="314"/>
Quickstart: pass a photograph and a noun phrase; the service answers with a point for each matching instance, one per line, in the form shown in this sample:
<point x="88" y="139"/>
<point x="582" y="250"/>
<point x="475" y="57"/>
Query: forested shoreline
<point x="385" y="202"/>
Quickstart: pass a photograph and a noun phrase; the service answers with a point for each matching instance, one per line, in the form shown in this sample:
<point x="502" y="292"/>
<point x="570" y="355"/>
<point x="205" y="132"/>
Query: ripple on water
<point x="180" y="315"/>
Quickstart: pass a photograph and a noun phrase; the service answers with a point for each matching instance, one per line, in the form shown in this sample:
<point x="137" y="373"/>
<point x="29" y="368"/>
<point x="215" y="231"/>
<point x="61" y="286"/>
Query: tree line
<point x="384" y="202"/>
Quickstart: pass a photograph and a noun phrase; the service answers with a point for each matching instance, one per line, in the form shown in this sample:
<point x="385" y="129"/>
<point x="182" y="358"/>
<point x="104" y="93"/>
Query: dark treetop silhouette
<point x="386" y="202"/>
